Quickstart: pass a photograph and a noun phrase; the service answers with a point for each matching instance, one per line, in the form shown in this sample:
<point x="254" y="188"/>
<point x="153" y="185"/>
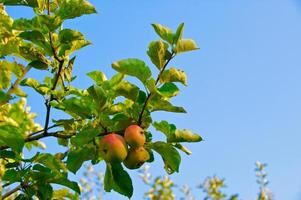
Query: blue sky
<point x="244" y="93"/>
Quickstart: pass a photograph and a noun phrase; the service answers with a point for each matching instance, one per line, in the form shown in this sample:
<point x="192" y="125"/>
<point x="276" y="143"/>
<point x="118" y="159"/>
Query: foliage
<point x="265" y="192"/>
<point x="164" y="188"/>
<point x="213" y="186"/>
<point x="41" y="43"/>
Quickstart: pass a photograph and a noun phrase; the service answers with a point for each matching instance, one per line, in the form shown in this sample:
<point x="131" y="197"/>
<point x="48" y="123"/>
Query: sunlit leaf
<point x="74" y="8"/>
<point x="164" y="32"/>
<point x="174" y="75"/>
<point x="179" y="33"/>
<point x="185" y="136"/>
<point x="185" y="45"/>
<point x="40" y="88"/>
<point x="127" y="90"/>
<point x="176" y="135"/>
<point x="170" y="156"/>
<point x="31" y="3"/>
<point x="78" y="106"/>
<point x="133" y="67"/>
<point x="98" y="76"/>
<point x="99" y="96"/>
<point x="157" y="53"/>
<point x="157" y="103"/>
<point x="12" y="137"/>
<point x="51" y="162"/>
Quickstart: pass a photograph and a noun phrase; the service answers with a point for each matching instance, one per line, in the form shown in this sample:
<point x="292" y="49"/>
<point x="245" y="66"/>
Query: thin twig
<point x="4" y="196"/>
<point x="150" y="93"/>
<point x="59" y="134"/>
<point x="61" y="63"/>
<point x="40" y="131"/>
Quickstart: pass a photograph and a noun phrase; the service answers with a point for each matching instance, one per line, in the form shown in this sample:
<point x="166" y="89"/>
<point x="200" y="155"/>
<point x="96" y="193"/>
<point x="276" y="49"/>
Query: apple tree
<point x="108" y="121"/>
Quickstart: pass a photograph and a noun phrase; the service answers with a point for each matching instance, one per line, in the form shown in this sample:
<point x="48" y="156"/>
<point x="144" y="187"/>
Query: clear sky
<point x="244" y="93"/>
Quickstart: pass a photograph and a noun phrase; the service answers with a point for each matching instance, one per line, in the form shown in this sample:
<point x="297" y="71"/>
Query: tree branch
<point x="58" y="134"/>
<point x="61" y="63"/>
<point x="6" y="195"/>
<point x="156" y="83"/>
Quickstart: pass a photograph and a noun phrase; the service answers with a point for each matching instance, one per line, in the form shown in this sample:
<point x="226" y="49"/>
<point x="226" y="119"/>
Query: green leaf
<point x="14" y="67"/>
<point x="164" y="32"/>
<point x="84" y="137"/>
<point x="98" y="76"/>
<point x="44" y="191"/>
<point x="169" y="90"/>
<point x="48" y="22"/>
<point x="38" y="65"/>
<point x="133" y="67"/>
<point x="13" y="175"/>
<point x="51" y="162"/>
<point x="151" y="85"/>
<point x="5" y="76"/>
<point x="174" y="75"/>
<point x="40" y="88"/>
<point x="42" y="23"/>
<point x="12" y="137"/>
<point x="175" y="135"/>
<point x="127" y="89"/>
<point x="9" y="154"/>
<point x="33" y="36"/>
<point x="165" y="127"/>
<point x="185" y="136"/>
<point x="30" y="3"/>
<point x="157" y="53"/>
<point x="157" y="103"/>
<point x="114" y="81"/>
<point x="69" y="48"/>
<point x="31" y="53"/>
<point x="2" y="95"/>
<point x="37" y="38"/>
<point x="183" y="148"/>
<point x="80" y="107"/>
<point x="170" y="156"/>
<point x="68" y="35"/>
<point x="74" y="8"/>
<point x="67" y="183"/>
<point x="76" y="158"/>
<point x="99" y="96"/>
<point x="121" y="121"/>
<point x="71" y="41"/>
<point x="118" y="179"/>
<point x="179" y="33"/>
<point x="185" y="45"/>
<point x="63" y="142"/>
<point x="19" y="92"/>
<point x="63" y="194"/>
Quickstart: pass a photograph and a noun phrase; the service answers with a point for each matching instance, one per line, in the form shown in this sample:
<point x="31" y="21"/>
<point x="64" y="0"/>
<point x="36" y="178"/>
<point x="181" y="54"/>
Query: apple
<point x="113" y="148"/>
<point x="136" y="158"/>
<point x="134" y="136"/>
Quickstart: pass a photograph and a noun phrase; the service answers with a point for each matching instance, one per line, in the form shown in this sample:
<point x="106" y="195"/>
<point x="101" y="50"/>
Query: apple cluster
<point x="128" y="149"/>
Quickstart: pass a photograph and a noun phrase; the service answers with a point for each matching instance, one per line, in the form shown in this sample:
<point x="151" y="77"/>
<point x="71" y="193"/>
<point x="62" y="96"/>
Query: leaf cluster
<point x="108" y="105"/>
